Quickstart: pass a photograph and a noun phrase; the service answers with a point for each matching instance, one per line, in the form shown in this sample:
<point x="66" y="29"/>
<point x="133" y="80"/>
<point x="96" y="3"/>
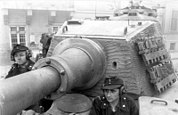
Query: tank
<point x="84" y="52"/>
<point x="135" y="52"/>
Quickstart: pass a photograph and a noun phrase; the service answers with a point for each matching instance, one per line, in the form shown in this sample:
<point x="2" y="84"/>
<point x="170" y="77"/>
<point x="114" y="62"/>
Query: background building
<point x="24" y="22"/>
<point x="171" y="29"/>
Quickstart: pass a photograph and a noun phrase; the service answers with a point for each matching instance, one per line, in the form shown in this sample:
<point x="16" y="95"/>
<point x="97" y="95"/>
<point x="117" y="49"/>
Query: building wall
<point x="85" y="9"/>
<point x="171" y="33"/>
<point x="172" y="39"/>
<point x="36" y="22"/>
<point x="171" y="30"/>
<point x="38" y="25"/>
<point x="4" y="41"/>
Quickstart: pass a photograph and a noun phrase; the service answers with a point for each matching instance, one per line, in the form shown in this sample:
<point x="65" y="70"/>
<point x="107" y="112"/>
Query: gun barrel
<point x="19" y="92"/>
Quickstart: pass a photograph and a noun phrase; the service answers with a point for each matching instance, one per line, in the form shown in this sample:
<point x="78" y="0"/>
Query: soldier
<point x="22" y="62"/>
<point x="46" y="41"/>
<point x="68" y="104"/>
<point x="114" y="101"/>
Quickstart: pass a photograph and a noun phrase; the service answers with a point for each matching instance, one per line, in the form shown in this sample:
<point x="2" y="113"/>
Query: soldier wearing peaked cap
<point x="114" y="101"/>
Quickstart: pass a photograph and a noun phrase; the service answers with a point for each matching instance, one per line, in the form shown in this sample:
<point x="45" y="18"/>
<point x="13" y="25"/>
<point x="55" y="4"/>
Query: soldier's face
<point x="112" y="95"/>
<point x="20" y="57"/>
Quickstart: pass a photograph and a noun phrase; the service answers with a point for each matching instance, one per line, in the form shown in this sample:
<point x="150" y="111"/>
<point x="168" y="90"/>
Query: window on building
<point x="13" y="39"/>
<point x="172" y="46"/>
<point x="21" y="29"/>
<point x="13" y="29"/>
<point x="174" y="22"/>
<point x="17" y="34"/>
<point x="22" y="39"/>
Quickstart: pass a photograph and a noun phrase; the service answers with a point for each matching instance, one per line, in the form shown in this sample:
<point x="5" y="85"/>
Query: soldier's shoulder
<point x="15" y="65"/>
<point x="99" y="99"/>
<point x="13" y="70"/>
<point x="30" y="65"/>
<point x="101" y="102"/>
<point x="31" y="62"/>
<point x="126" y="97"/>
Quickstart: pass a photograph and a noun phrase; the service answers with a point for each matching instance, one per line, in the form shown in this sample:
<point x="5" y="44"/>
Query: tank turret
<point x="83" y="53"/>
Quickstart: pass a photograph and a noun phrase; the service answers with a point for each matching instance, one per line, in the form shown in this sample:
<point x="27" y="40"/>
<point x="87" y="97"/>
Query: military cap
<point x="18" y="48"/>
<point x="112" y="83"/>
<point x="73" y="103"/>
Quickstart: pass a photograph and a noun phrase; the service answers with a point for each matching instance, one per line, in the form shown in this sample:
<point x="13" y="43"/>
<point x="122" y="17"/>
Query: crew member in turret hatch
<point x="22" y="62"/>
<point x="114" y="101"/>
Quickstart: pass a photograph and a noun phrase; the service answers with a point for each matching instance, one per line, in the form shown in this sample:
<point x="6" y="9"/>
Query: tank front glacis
<point x="134" y="52"/>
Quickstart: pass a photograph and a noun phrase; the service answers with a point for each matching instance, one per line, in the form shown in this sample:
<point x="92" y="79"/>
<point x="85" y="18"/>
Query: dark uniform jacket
<point x="16" y="69"/>
<point x="126" y="106"/>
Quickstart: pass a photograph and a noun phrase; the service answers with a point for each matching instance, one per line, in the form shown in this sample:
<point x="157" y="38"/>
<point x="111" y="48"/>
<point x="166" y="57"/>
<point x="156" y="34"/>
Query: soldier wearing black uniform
<point x="114" y="102"/>
<point x="22" y="62"/>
